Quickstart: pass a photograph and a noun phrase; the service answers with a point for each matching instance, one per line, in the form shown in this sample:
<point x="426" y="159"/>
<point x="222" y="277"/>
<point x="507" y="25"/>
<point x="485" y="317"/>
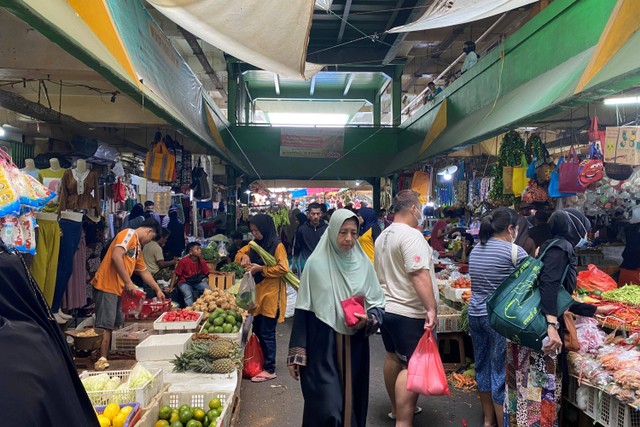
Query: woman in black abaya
<point x="39" y="382"/>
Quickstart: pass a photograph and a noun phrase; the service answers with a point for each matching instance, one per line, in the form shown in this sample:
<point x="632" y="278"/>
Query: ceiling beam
<point x="312" y="87"/>
<point x="21" y="105"/>
<point x="395" y="47"/>
<point x="204" y="61"/>
<point x="348" y="85"/>
<point x="276" y="82"/>
<point x="349" y="54"/>
<point x="345" y="17"/>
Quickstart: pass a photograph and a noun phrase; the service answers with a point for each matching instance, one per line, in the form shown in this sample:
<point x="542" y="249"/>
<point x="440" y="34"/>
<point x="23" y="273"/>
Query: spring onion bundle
<point x="269" y="260"/>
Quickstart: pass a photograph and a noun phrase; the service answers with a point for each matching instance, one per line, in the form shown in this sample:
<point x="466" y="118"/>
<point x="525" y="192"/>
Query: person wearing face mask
<point x="540" y="373"/>
<point x="403" y="264"/>
<point x="490" y="263"/>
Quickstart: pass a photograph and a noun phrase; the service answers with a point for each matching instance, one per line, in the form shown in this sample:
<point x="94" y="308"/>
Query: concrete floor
<point x="279" y="402"/>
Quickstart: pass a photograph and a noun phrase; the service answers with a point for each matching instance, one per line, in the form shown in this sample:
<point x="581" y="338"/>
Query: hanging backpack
<point x="200" y="182"/>
<point x="514" y="308"/>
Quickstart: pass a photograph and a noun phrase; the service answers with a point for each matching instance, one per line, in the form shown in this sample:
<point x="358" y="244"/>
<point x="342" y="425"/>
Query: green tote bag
<point x="514" y="308"/>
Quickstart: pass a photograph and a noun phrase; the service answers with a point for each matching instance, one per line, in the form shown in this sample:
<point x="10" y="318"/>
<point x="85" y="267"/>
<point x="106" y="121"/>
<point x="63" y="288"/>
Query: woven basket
<point x="617" y="171"/>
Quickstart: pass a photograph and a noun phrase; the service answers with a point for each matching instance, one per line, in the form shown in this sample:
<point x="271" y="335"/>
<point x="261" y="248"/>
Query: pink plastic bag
<point x="426" y="373"/>
<point x="351" y="306"/>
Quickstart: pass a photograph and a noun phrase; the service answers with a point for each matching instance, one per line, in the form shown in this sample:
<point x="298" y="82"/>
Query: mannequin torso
<point x="30" y="168"/>
<point x="54" y="164"/>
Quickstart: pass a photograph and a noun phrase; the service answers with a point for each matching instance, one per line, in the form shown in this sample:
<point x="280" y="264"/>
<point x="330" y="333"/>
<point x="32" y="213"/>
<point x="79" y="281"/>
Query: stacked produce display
<point x="223" y="322"/>
<point x="188" y="416"/>
<point x="219" y="356"/>
<point x="212" y="300"/>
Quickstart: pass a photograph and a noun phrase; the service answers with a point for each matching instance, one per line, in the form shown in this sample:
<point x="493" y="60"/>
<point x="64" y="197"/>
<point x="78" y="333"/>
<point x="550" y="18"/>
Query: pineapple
<point x="224" y="366"/>
<point x="220" y="349"/>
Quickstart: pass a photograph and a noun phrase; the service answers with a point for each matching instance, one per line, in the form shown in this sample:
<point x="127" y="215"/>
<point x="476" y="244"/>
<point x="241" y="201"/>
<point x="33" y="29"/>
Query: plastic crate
<point x="163" y="347"/>
<point x="623" y="415"/>
<point x="142" y="394"/>
<point x="449" y="319"/>
<point x="133" y="417"/>
<point x="127" y="338"/>
<point x="195" y="399"/>
<point x="235" y="337"/>
<point x="191" y="326"/>
<point x="153" y="309"/>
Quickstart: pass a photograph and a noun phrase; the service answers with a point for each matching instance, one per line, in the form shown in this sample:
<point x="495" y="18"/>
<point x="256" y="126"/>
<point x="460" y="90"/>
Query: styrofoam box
<point x="454" y="294"/>
<point x="163" y="347"/>
<point x="159" y="325"/>
<point x="195" y="399"/>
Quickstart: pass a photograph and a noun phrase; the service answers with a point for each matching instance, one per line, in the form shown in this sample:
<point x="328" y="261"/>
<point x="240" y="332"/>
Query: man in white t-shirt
<point x="404" y="267"/>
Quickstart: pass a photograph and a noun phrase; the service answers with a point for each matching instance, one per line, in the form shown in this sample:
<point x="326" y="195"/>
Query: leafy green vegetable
<point x="210" y="252"/>
<point x="628" y="293"/>
<point x="232" y="267"/>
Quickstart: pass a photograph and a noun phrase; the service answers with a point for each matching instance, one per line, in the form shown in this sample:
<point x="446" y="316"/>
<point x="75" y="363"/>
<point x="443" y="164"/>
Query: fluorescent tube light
<point x="622" y="101"/>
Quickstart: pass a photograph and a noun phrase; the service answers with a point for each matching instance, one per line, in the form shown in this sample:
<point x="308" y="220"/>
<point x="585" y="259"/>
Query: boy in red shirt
<point x="191" y="274"/>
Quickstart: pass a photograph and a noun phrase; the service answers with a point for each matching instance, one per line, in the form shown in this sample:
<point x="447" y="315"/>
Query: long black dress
<point x="322" y="355"/>
<point x="39" y="382"/>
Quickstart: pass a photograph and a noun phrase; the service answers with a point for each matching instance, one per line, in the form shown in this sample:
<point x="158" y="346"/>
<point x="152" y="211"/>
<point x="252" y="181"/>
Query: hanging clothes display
<point x="52" y="178"/>
<point x="71" y="231"/>
<point x="76" y="294"/>
<point x="94" y="238"/>
<point x="44" y="267"/>
<point x="79" y="190"/>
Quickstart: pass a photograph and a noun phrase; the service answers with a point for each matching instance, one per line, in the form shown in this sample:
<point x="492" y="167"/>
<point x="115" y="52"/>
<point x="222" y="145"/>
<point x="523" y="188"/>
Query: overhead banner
<point x="312" y="142"/>
<point x="447" y="13"/>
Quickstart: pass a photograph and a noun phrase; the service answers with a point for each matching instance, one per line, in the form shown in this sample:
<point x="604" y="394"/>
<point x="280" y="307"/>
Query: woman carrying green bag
<point x="532" y="398"/>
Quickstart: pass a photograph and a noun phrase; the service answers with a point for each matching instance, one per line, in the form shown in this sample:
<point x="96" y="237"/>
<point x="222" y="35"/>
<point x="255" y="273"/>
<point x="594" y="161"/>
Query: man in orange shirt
<point x="123" y="258"/>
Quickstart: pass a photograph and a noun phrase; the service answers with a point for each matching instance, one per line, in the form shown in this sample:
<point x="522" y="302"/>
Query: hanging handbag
<point x="514" y="308"/>
<point x="200" y="182"/>
<point x="531" y="169"/>
<point x="571" y="342"/>
<point x="591" y="169"/>
<point x="568" y="173"/>
<point x="507" y="180"/>
<point x="160" y="164"/>
<point x="534" y="193"/>
<point x="519" y="180"/>
<point x="595" y="134"/>
<point x="554" y="182"/>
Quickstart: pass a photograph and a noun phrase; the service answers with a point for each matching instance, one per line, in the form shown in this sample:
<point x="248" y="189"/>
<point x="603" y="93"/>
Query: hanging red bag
<point x="568" y="172"/>
<point x="425" y="374"/>
<point x="253" y="358"/>
<point x="595" y="134"/>
<point x="594" y="279"/>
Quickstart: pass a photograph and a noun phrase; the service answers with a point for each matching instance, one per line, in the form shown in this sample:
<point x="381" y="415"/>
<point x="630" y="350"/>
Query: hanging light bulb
<point x="2" y="131"/>
<point x="447" y="177"/>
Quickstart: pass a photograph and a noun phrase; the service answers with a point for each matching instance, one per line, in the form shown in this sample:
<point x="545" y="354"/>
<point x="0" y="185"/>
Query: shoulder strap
<point x="547" y="248"/>
<point x="514" y="254"/>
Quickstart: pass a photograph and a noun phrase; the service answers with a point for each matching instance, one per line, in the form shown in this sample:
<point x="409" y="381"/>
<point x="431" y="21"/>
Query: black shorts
<point x="400" y="335"/>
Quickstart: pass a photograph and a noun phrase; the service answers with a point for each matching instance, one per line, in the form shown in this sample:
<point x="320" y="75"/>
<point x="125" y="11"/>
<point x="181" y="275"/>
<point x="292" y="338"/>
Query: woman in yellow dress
<point x="271" y="294"/>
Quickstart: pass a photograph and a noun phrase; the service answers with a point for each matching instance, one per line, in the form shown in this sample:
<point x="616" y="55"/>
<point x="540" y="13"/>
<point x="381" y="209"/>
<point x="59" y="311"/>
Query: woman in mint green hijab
<point x="330" y="359"/>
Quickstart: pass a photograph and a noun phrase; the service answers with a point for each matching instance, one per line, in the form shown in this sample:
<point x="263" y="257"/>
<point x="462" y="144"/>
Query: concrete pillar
<point x="232" y="93"/>
<point x="377" y="110"/>
<point x="396" y="94"/>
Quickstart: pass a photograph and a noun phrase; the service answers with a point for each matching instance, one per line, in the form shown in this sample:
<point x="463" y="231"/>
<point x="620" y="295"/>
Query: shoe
<point x="263" y="376"/>
<point x="59" y="319"/>
<point x="101" y="364"/>
<point x="64" y="315"/>
<point x="416" y="412"/>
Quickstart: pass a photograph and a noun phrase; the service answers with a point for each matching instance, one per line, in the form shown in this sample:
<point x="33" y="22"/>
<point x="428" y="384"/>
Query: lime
<point x="226" y="328"/>
<point x="212" y="317"/>
<point x="199" y="414"/>
<point x="177" y="424"/>
<point x="186" y="416"/>
<point x="215" y="403"/>
<point x="183" y="408"/>
<point x="165" y="412"/>
<point x="238" y="317"/>
<point x="211" y="329"/>
<point x="235" y="329"/>
<point x="162" y="423"/>
<point x="218" y="411"/>
<point x="194" y="423"/>
<point x="212" y="415"/>
<point x="230" y="320"/>
<point x="218" y="321"/>
<point x="174" y="417"/>
<point x="218" y="330"/>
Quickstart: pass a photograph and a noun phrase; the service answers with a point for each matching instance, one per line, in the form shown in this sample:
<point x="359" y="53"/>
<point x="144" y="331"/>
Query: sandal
<point x="416" y="412"/>
<point x="262" y="377"/>
<point x="101" y="364"/>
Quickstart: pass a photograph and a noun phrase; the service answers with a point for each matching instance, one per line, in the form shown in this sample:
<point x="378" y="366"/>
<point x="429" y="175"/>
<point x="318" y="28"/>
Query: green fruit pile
<point x="223" y="322"/>
<point x="187" y="416"/>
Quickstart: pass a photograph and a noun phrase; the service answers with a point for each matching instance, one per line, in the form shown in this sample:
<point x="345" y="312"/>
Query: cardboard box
<point x="220" y="280"/>
<point x="622" y="145"/>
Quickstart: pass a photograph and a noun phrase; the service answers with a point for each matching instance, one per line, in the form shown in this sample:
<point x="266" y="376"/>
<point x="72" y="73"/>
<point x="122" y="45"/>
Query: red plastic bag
<point x="253" y="358"/>
<point x="351" y="306"/>
<point x="426" y="373"/>
<point x="132" y="304"/>
<point x="594" y="279"/>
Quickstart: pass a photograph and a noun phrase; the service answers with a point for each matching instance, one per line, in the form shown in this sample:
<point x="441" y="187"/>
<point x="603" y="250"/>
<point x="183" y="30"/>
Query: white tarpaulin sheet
<point x="269" y="35"/>
<point x="445" y="13"/>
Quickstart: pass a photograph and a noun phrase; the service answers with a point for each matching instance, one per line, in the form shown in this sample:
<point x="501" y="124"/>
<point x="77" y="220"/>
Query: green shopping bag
<point x="514" y="308"/>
